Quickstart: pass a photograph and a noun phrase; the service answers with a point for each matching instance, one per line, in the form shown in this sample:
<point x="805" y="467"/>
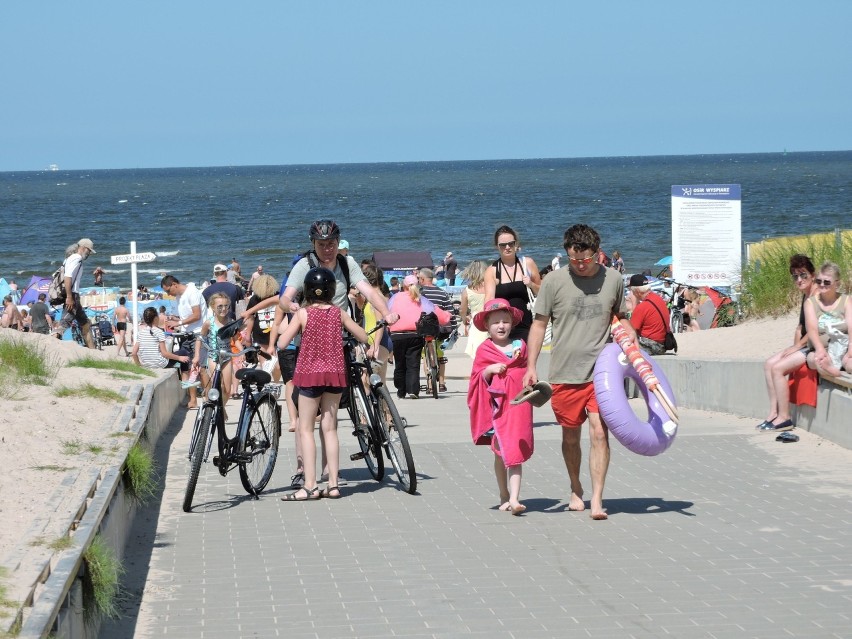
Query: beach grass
<point x="767" y="290"/>
<point x="140" y="474"/>
<point x="91" y="391"/>
<point x="101" y="580"/>
<point x="24" y="362"/>
<point x="118" y="365"/>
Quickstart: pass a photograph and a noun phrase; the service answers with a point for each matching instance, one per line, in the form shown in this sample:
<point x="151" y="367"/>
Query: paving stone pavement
<point x="727" y="534"/>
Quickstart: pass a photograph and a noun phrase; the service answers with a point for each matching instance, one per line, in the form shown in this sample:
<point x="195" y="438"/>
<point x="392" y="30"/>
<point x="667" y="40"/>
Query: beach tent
<point x="4" y="288"/>
<point x="37" y="285"/>
<point x="402" y="260"/>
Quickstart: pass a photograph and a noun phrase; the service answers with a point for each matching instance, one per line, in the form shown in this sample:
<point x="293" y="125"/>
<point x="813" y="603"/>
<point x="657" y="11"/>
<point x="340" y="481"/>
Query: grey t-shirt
<point x="582" y="310"/>
<point x="296" y="279"/>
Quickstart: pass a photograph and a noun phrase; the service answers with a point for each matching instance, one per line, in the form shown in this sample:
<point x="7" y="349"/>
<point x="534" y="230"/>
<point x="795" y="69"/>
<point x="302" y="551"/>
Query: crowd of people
<point x="508" y="309"/>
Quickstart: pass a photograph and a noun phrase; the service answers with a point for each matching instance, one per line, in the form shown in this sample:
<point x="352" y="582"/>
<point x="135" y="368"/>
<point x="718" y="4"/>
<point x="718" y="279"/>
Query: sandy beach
<point x="47" y="441"/>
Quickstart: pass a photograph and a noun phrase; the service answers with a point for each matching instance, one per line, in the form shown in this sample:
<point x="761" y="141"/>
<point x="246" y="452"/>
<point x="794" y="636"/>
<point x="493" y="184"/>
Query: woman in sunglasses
<point x="512" y="278"/>
<point x="779" y="366"/>
<point x="826" y="318"/>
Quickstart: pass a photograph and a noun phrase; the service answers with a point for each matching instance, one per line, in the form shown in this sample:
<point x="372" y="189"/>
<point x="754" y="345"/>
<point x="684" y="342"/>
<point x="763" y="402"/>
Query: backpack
<point x="56" y="293"/>
<point x="344" y="267"/>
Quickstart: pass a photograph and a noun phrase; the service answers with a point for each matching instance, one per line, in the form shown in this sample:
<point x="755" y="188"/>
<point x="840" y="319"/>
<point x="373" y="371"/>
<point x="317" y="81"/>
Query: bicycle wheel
<point x="197" y="446"/>
<point x="259" y="444"/>
<point x="432" y="369"/>
<point x="397" y="447"/>
<point x="677" y="322"/>
<point x="370" y="448"/>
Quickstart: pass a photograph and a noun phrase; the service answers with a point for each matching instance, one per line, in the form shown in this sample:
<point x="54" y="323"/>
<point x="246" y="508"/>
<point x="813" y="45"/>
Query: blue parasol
<point x="665" y="261"/>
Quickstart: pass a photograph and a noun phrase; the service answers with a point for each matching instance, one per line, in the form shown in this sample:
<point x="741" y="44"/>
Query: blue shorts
<point x="315" y="392"/>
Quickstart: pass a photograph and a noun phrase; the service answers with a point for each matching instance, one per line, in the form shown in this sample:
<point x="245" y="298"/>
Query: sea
<point x="193" y="218"/>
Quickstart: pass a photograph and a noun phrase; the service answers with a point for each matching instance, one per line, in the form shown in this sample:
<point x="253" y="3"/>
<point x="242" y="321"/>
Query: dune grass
<point x="121" y="366"/>
<point x="92" y="391"/>
<point x="101" y="580"/>
<point x="767" y="289"/>
<point x="140" y="474"/>
<point x="24" y="362"/>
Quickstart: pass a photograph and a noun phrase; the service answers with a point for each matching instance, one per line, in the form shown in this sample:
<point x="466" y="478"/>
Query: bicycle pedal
<point x="216" y="461"/>
<point x="356" y="456"/>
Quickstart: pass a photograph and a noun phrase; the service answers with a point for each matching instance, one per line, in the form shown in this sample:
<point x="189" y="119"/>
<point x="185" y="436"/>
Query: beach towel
<point x="803" y="386"/>
<point x="490" y="405"/>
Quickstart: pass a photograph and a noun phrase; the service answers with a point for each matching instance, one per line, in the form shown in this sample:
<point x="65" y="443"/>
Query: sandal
<point x="330" y="492"/>
<point x="442" y="388"/>
<point x="310" y="495"/>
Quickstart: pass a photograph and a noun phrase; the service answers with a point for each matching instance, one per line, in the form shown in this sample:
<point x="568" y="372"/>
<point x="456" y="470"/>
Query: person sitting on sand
<point x="779" y="366"/>
<point x="496" y="378"/>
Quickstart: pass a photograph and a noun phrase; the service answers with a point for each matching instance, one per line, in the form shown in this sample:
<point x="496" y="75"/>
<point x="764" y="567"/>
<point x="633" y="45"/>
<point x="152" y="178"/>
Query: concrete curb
<point x="54" y="604"/>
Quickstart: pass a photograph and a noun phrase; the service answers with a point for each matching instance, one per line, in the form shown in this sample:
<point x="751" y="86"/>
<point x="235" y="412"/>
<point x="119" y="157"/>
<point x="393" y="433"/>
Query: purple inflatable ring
<point x="650" y="437"/>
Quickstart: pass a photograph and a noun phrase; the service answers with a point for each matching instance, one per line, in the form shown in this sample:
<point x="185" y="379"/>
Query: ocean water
<point x="193" y="218"/>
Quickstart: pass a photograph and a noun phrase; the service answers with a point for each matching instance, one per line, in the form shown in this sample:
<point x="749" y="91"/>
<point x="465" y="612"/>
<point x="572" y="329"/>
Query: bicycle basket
<point x="428" y="326"/>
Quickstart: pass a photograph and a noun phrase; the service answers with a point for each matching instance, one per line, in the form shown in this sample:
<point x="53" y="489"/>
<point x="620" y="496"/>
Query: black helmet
<point x="320" y="285"/>
<point x="324" y="230"/>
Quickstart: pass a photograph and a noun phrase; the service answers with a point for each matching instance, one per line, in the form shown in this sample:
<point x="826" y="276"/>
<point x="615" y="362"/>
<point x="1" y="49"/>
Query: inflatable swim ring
<point x="650" y="437"/>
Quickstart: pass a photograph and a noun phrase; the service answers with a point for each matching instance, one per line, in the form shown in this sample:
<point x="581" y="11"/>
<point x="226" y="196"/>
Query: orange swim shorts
<point x="572" y="402"/>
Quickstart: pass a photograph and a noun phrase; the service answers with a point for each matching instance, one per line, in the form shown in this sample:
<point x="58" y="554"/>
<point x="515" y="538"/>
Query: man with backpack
<point x="72" y="308"/>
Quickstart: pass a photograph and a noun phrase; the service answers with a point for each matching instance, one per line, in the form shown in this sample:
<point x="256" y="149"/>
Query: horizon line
<point x="48" y="169"/>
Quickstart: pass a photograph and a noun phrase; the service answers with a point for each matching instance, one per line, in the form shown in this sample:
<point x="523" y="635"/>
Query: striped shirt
<point x="439" y="297"/>
<point x="150" y="338"/>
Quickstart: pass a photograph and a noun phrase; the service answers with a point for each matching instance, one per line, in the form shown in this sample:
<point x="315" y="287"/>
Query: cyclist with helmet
<point x="325" y="235"/>
<point x="320" y="376"/>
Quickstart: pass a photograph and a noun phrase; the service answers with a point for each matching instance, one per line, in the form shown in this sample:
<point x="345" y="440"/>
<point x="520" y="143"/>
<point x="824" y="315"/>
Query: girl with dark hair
<point x="150" y="348"/>
<point x="779" y="366"/>
<point x="512" y="278"/>
<point x="320" y="377"/>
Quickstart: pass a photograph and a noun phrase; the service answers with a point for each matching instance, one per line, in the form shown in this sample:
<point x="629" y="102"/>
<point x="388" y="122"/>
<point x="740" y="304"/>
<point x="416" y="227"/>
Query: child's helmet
<point x="324" y="230"/>
<point x="320" y="285"/>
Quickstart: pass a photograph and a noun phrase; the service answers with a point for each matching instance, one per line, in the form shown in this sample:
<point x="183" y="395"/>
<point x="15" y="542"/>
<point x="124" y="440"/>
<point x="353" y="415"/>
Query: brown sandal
<point x="310" y="495"/>
<point x="330" y="492"/>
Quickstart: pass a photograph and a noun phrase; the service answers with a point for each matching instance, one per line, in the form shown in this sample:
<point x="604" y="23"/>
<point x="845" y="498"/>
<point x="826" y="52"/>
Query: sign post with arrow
<point x="133" y="258"/>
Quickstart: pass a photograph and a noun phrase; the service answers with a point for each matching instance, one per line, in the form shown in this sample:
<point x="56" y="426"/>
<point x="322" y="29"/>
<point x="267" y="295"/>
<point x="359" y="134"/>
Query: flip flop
<point x="787" y="438"/>
<point x="537" y="394"/>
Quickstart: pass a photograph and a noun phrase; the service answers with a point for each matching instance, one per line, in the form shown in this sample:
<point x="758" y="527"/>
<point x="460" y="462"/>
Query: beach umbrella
<point x="665" y="261"/>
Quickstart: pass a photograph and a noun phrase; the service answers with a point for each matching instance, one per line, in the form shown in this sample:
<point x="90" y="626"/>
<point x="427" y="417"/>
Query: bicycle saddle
<point x="254" y="376"/>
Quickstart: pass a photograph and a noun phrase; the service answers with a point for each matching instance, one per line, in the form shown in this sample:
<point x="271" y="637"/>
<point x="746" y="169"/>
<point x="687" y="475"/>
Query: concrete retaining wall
<point x="738" y="387"/>
<point x="57" y="600"/>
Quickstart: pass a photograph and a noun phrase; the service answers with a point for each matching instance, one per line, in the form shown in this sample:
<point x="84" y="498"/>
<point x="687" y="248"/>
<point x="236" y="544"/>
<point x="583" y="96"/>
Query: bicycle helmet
<point x="324" y="230"/>
<point x="320" y="285"/>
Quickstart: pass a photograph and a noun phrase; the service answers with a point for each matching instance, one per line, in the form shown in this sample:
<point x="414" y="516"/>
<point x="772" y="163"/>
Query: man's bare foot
<point x="576" y="503"/>
<point x="598" y="512"/>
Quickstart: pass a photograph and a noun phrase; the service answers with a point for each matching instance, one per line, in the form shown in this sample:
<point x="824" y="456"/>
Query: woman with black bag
<point x="407" y="342"/>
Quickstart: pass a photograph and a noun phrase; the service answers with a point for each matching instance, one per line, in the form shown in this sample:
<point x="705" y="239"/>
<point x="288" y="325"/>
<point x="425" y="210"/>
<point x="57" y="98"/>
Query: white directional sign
<point x="132" y="258"/>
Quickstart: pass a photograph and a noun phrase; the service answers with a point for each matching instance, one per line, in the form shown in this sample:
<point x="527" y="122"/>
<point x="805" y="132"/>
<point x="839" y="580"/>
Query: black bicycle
<point x="254" y="447"/>
<point x="375" y="420"/>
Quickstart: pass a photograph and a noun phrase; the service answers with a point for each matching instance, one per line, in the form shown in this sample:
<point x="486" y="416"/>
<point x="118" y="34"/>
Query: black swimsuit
<point x="516" y="294"/>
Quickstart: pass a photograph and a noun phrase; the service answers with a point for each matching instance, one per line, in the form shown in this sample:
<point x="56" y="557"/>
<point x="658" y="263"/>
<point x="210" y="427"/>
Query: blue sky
<point x="160" y="84"/>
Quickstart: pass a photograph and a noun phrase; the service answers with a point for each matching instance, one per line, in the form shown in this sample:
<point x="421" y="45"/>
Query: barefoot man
<point x="581" y="300"/>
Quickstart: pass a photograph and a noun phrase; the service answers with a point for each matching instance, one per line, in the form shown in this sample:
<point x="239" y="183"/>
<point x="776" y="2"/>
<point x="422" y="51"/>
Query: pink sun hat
<point x="497" y="304"/>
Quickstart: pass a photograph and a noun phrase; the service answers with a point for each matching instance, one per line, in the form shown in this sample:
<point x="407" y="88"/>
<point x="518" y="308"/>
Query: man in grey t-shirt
<point x="42" y="322"/>
<point x="582" y="301"/>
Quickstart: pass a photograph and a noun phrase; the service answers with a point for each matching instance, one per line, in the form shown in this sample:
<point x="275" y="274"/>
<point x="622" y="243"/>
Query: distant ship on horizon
<point x="53" y="167"/>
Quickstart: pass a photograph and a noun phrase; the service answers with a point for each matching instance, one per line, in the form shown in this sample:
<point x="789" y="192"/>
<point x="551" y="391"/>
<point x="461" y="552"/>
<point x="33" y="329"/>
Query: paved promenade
<point x="727" y="534"/>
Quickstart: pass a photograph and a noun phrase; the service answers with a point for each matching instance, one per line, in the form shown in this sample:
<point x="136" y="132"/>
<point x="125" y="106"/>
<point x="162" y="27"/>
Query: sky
<point x="99" y="85"/>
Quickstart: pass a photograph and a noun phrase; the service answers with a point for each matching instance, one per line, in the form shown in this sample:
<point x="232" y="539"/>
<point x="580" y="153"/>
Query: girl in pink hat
<point x="496" y="378"/>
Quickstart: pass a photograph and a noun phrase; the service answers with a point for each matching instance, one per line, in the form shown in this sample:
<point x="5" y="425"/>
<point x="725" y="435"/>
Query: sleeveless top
<point x="320" y="361"/>
<point x="516" y="294"/>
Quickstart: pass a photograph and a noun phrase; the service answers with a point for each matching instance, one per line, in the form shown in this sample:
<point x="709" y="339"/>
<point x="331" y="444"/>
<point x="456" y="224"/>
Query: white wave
<point x="122" y="201"/>
<point x="165" y="253"/>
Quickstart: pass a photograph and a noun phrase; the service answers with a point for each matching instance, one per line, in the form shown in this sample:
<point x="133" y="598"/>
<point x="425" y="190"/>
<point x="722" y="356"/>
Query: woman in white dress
<point x="472" y="301"/>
